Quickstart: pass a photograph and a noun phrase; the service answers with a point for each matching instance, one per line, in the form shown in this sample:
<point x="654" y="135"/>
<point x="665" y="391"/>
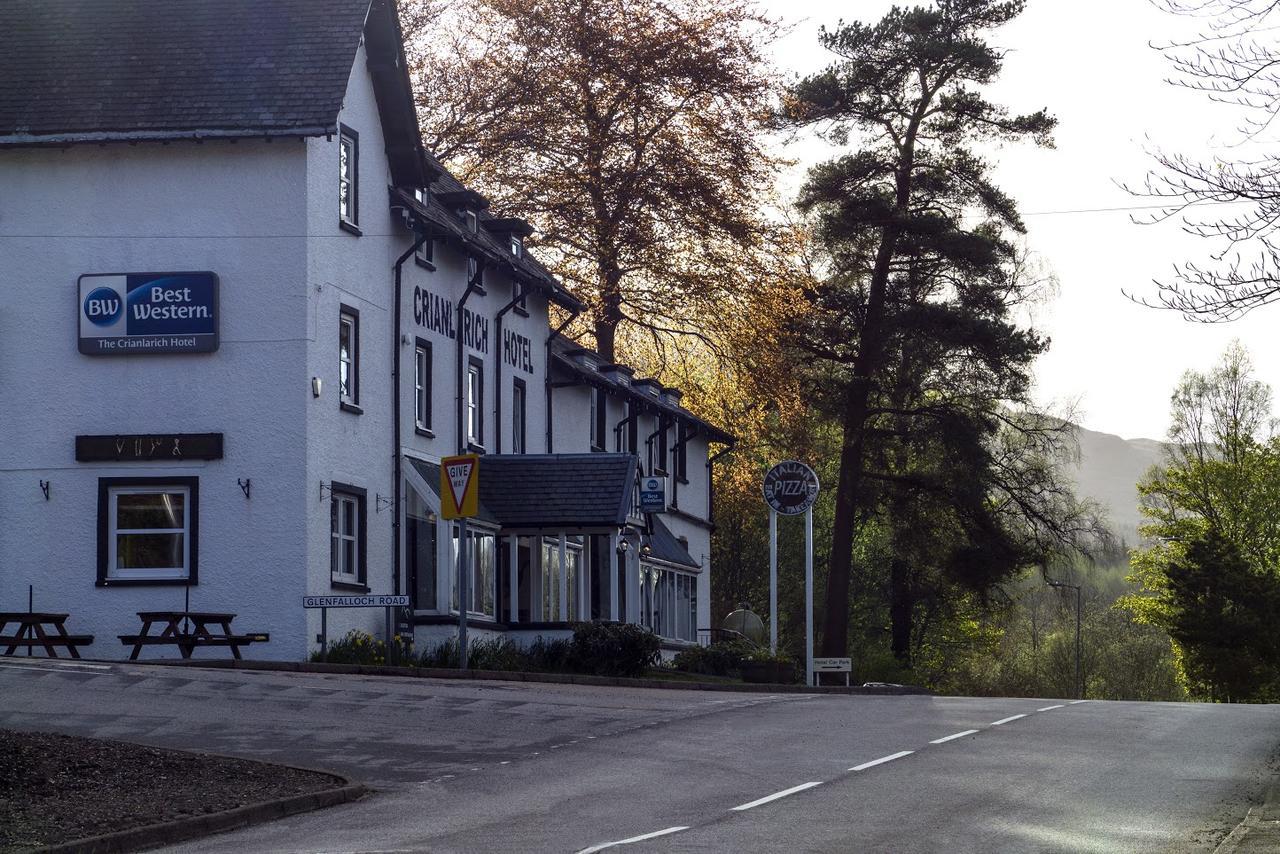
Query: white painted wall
<point x="234" y="209"/>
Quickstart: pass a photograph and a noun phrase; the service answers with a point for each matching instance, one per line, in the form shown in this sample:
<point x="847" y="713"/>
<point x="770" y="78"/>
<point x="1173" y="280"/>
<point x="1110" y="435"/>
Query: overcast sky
<point x="1089" y="63"/>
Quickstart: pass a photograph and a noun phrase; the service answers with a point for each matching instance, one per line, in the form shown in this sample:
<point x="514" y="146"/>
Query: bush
<point x="356" y="647"/>
<point x="720" y="659"/>
<point x="544" y="656"/>
<point x="612" y="649"/>
<point x="483" y="654"/>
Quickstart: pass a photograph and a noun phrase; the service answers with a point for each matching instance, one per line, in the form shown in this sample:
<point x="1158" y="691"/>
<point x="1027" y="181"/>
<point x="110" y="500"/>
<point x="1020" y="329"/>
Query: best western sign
<point x="127" y="313"/>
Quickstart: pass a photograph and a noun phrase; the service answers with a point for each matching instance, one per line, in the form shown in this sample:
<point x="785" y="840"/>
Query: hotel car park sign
<point x="124" y="314"/>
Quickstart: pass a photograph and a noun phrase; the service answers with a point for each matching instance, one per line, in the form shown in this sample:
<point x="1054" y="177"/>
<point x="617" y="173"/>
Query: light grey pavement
<point x="527" y="768"/>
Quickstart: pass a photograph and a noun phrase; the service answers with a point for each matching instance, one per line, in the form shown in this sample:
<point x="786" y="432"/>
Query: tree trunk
<point x="901" y="606"/>
<point x="609" y="312"/>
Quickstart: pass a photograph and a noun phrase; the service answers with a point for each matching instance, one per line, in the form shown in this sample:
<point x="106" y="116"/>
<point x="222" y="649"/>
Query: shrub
<point x="544" y="656"/>
<point x="720" y="659"/>
<point x="356" y="647"/>
<point x="483" y="654"/>
<point x="612" y="649"/>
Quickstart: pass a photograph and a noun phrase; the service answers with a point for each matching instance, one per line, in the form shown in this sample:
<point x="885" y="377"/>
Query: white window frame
<point x="475" y="403"/>
<point x="349" y="140"/>
<point x="422" y="385"/>
<point x="175" y="573"/>
<point x="349" y="321"/>
<point x="337" y="537"/>
<point x="488" y="596"/>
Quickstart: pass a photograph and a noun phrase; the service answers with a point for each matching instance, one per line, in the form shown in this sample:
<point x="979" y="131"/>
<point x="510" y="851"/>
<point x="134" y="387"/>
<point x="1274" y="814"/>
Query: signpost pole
<point x="464" y="593"/>
<point x="324" y="633"/>
<point x="808" y="595"/>
<point x="773" y="581"/>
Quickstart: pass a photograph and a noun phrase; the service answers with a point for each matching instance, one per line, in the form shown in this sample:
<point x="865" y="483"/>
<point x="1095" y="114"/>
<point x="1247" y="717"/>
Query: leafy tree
<point x="1211" y="572"/>
<point x="1230" y="64"/>
<point x="627" y="131"/>
<point x="902" y="255"/>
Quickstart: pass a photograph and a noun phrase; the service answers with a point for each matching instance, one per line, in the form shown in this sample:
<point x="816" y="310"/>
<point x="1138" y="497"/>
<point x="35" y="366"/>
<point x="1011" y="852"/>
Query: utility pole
<point x="1079" y="602"/>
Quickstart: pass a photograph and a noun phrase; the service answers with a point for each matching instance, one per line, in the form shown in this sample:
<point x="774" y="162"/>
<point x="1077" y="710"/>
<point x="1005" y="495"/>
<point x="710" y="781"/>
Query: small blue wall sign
<point x="124" y="314"/>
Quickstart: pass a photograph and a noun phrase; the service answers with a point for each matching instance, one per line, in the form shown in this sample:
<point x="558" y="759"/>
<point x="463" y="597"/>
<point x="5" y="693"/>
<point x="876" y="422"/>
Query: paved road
<point x="506" y="767"/>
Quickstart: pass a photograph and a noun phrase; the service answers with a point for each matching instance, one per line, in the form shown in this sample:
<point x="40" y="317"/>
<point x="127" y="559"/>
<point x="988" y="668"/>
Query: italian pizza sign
<point x="132" y="313"/>
<point x="790" y="487"/>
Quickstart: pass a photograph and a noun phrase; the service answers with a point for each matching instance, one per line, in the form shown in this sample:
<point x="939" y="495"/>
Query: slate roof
<point x="550" y="491"/>
<point x="561" y="349"/>
<point x="76" y="69"/>
<point x="664" y="546"/>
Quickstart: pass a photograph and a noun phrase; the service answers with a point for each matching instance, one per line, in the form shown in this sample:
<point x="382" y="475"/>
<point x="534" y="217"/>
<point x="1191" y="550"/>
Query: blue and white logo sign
<point x="653" y="495"/>
<point x="126" y="313"/>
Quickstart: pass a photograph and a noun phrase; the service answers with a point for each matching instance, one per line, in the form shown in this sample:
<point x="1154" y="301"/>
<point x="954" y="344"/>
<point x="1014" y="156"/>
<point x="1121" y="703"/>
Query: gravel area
<point x="58" y="788"/>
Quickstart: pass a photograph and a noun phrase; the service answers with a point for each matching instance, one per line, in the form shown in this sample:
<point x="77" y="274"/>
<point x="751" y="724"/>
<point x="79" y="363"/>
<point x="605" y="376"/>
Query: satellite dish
<point x="745" y="622"/>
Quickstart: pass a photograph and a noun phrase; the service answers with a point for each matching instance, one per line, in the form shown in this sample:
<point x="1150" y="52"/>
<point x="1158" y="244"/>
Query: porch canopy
<point x="538" y="493"/>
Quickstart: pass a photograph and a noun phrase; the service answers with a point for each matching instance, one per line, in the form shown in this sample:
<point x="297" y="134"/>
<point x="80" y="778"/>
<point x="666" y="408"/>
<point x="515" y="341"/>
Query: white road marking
<point x="775" y="796"/>
<point x="641" y="838"/>
<point x="1076" y="702"/>
<point x="947" y="738"/>
<point x="55" y="669"/>
<point x="1051" y="708"/>
<point x="1007" y="720"/>
<point x="46" y="662"/>
<point x="882" y="760"/>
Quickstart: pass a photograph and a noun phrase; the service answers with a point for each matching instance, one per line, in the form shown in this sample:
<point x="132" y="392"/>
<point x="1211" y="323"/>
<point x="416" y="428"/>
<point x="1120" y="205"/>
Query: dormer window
<point x="473" y="221"/>
<point x="517" y="246"/>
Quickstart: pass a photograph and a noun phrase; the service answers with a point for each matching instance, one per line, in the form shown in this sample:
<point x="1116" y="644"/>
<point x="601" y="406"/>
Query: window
<point x="599" y="418"/>
<point x="632" y="426"/>
<point x="551" y="577"/>
<point x="473" y="222"/>
<point x="475" y="403"/>
<point x="349" y="359"/>
<point x="516" y="246"/>
<point x="148" y="530"/>
<point x="422" y="386"/>
<point x="426" y="254"/>
<point x="481" y="566"/>
<point x="669" y="603"/>
<point x="475" y="273"/>
<point x="517" y="416"/>
<point x="420" y="550"/>
<point x="347" y="532"/>
<point x="348" y="179"/>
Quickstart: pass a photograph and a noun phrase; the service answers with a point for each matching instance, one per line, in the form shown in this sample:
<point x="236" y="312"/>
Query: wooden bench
<point x="187" y="630"/>
<point x="36" y="629"/>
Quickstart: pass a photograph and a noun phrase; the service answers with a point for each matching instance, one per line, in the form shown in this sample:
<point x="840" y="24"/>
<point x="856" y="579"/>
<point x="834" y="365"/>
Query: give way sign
<point x="460" y="486"/>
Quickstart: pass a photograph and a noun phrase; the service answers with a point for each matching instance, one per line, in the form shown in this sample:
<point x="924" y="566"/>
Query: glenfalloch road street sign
<point x="790" y="487"/>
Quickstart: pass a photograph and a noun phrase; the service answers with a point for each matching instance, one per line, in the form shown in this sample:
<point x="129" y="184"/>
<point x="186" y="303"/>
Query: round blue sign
<point x="103" y="306"/>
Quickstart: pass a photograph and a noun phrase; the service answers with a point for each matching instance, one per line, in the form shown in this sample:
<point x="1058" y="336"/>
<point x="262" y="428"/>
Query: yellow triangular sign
<point x="459" y="486"/>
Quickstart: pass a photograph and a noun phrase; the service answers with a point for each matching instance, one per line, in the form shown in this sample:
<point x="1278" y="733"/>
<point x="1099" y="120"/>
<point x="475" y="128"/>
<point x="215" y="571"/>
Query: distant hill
<point x="1109" y="470"/>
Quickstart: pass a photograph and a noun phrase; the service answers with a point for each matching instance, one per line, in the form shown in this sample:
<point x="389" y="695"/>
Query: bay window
<point x="481" y="573"/>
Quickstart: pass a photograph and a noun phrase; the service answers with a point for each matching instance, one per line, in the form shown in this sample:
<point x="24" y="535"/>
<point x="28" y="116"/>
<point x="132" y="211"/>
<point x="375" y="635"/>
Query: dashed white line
<point x="1051" y="708"/>
<point x="953" y="736"/>
<point x="882" y="760"/>
<point x="1007" y="720"/>
<point x="775" y="796"/>
<point x="603" y="845"/>
<point x="1076" y="702"/>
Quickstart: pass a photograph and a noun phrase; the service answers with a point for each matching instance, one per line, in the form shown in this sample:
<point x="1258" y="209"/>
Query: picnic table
<point x="39" y="629"/>
<point x="187" y="630"/>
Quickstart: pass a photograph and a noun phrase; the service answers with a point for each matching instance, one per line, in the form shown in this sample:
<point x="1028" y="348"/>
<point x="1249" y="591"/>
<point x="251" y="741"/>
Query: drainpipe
<point x="573" y="315"/>
<point x="396" y="410"/>
<point x="518" y="294"/>
<point x="711" y="484"/>
<point x="648" y="443"/>
<point x="472" y="284"/>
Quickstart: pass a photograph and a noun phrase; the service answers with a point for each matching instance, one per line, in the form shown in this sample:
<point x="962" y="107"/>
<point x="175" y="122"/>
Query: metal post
<point x="614" y="611"/>
<point x="1079" y="672"/>
<point x="464" y="593"/>
<point x="808" y="596"/>
<point x="773" y="581"/>
<point x="513" y="576"/>
<point x="324" y="633"/>
<point x="387" y="634"/>
<point x="563" y="581"/>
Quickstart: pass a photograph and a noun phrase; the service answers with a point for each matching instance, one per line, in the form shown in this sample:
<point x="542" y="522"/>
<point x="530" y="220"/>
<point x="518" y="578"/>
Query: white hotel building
<point x="330" y="314"/>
